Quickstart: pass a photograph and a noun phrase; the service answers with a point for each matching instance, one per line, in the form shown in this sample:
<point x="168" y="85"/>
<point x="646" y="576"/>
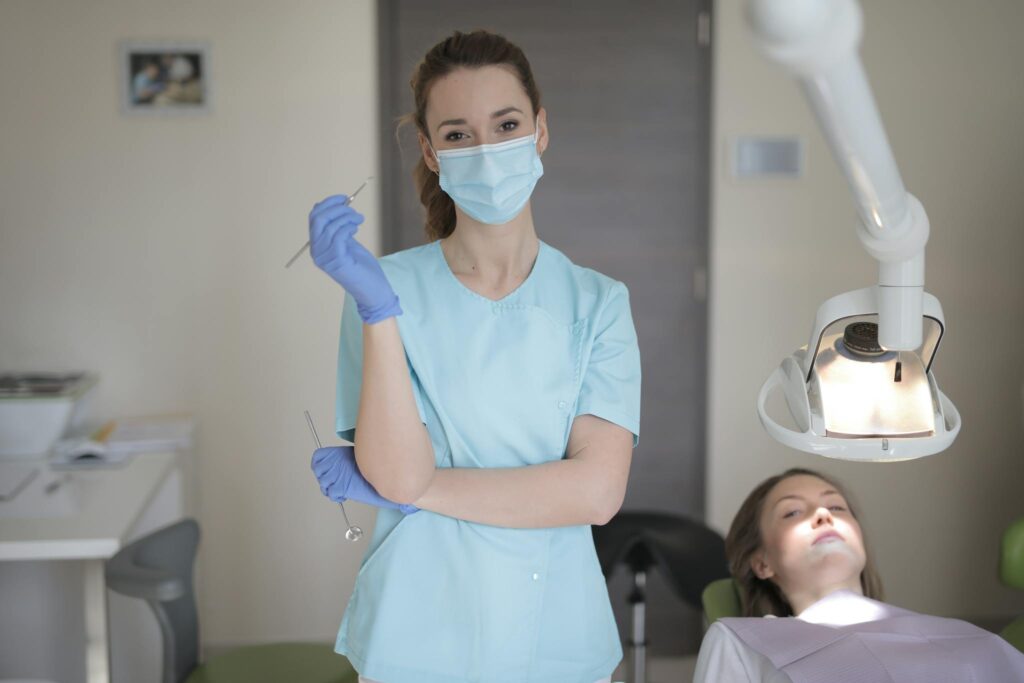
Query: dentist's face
<point x="481" y="106"/>
<point x="810" y="537"/>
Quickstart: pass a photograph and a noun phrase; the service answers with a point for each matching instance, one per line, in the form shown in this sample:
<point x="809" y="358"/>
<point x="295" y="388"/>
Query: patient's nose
<point x="821" y="516"/>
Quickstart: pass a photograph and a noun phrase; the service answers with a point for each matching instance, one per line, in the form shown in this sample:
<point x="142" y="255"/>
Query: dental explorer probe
<point x="347" y="202"/>
<point x="353" y="533"/>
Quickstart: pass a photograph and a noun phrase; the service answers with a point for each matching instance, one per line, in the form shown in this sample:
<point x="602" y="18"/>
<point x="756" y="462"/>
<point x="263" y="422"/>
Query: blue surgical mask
<point x="491" y="183"/>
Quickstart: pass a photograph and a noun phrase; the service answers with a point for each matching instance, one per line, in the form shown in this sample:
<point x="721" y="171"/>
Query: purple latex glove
<point x="332" y="244"/>
<point x="340" y="479"/>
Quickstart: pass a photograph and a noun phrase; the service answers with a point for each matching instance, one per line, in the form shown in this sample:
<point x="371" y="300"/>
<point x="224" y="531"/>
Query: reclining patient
<point x="796" y="550"/>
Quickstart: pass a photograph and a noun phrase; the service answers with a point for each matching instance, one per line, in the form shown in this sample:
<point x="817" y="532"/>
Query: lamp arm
<point x="817" y="42"/>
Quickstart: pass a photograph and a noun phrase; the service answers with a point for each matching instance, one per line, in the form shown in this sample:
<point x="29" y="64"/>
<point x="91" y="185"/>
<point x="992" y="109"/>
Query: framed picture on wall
<point x="165" y="77"/>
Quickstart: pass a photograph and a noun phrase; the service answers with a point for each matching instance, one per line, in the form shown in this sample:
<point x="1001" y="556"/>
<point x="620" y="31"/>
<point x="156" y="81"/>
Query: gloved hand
<point x="332" y="244"/>
<point x="340" y="479"/>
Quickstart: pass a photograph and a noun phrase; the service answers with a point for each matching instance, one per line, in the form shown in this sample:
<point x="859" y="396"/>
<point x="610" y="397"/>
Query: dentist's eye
<point x="509" y="125"/>
<point x="454" y="136"/>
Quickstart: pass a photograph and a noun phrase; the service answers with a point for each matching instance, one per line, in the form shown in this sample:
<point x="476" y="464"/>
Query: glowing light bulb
<point x="882" y="396"/>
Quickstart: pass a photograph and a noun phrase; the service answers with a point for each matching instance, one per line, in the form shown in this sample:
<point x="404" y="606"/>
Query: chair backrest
<point x="689" y="553"/>
<point x="1011" y="572"/>
<point x="1011" y="556"/>
<point x="721" y="598"/>
<point x="158" y="569"/>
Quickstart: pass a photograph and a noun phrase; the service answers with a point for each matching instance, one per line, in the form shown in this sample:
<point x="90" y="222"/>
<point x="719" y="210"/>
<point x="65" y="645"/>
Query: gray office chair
<point x="158" y="569"/>
<point x="689" y="555"/>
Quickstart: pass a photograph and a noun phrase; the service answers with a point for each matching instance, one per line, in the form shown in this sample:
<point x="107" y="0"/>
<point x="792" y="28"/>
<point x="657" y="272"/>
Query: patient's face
<point x="811" y="540"/>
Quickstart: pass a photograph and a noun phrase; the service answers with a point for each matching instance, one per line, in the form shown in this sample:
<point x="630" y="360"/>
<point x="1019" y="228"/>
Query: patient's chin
<point x="835" y="555"/>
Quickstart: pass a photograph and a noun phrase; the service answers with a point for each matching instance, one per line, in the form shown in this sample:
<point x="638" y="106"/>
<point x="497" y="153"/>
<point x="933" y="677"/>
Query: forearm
<point x="393" y="449"/>
<point x="558" y="493"/>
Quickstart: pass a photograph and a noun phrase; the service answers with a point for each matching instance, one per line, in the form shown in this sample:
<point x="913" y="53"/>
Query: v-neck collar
<point x="541" y="247"/>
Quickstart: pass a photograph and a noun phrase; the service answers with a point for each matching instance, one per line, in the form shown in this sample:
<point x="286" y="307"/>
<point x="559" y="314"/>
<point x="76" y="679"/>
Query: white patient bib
<point x="885" y="644"/>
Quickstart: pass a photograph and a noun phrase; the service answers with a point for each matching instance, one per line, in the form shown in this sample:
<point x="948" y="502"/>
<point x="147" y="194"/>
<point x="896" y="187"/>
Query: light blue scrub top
<point x="497" y="384"/>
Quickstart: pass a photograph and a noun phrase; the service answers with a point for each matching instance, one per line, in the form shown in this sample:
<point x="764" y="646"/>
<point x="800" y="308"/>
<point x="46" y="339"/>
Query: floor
<point x="661" y="670"/>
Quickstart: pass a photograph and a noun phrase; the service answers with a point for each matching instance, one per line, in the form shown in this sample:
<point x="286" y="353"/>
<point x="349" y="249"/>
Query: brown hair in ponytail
<point x="470" y="50"/>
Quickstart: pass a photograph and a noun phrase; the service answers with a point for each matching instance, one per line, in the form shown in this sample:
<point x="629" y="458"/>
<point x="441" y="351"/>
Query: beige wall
<point x="948" y="83"/>
<point x="152" y="251"/>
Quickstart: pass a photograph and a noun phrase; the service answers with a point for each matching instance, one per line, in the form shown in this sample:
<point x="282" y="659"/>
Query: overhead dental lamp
<point x="862" y="388"/>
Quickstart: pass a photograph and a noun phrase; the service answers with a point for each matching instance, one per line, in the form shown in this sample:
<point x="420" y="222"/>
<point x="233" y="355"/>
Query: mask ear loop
<point x="536" y="132"/>
<point x="436" y="159"/>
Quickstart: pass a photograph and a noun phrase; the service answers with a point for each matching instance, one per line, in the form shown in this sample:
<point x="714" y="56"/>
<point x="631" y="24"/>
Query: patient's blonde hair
<point x="759" y="597"/>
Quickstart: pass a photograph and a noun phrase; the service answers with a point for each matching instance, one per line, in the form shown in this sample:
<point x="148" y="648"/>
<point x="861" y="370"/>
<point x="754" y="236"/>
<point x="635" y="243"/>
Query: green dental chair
<point x="721" y="598"/>
<point x="158" y="569"/>
<point x="1011" y="572"/>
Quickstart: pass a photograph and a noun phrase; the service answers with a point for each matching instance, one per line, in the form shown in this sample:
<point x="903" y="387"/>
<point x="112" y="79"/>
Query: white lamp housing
<point x="848" y="404"/>
<point x="864" y="392"/>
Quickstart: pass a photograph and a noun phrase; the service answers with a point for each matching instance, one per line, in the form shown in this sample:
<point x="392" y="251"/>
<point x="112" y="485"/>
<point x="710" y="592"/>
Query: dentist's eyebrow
<point x="506" y="110"/>
<point x="495" y="115"/>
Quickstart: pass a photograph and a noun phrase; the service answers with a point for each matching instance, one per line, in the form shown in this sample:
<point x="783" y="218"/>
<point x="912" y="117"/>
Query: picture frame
<point x="165" y="78"/>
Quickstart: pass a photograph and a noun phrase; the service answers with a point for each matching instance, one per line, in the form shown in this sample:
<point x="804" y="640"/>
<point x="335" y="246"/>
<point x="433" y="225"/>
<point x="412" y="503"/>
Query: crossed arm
<point x="395" y="455"/>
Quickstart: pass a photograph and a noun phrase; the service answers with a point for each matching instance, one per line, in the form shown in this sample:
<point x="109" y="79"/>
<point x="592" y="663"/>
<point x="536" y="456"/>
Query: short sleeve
<point x="350" y="373"/>
<point x="611" y="381"/>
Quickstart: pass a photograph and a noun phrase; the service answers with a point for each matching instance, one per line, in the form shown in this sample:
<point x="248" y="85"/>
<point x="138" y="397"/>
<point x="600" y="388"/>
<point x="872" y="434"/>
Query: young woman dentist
<point x="492" y="390"/>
